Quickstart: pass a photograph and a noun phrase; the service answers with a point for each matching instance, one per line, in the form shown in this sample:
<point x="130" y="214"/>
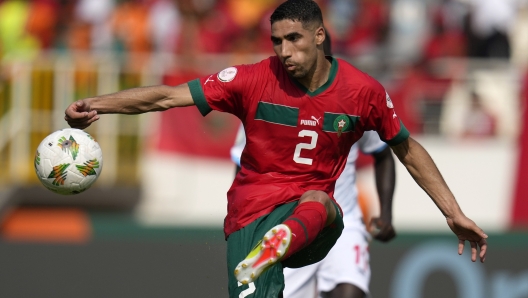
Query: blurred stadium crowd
<point x="454" y="68"/>
<point x="411" y="29"/>
<point x="403" y="43"/>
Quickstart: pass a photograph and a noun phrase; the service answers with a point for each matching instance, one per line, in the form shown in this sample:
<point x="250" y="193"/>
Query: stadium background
<point x="151" y="226"/>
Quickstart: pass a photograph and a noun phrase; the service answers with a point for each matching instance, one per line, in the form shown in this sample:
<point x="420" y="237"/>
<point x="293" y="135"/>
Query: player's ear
<point x="319" y="35"/>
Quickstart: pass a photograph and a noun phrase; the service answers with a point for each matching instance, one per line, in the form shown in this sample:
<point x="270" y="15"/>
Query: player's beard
<point x="299" y="72"/>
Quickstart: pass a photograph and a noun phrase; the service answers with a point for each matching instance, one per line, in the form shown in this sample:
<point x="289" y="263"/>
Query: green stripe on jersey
<point x="277" y="114"/>
<point x="198" y="97"/>
<point x="402" y="135"/>
<point x="332" y="121"/>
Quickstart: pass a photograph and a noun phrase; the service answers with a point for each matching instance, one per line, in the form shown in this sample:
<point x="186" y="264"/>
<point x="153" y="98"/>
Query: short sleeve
<point x="226" y="91"/>
<point x="382" y="117"/>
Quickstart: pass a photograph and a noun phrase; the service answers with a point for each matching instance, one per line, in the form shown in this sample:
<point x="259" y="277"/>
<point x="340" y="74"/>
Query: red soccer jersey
<point x="297" y="140"/>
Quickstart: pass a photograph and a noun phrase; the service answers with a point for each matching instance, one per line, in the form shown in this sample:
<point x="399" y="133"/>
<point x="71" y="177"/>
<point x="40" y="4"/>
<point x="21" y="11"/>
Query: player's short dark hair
<point x="304" y="11"/>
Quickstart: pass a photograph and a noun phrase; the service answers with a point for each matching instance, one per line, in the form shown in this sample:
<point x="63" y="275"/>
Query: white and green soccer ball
<point x="68" y="161"/>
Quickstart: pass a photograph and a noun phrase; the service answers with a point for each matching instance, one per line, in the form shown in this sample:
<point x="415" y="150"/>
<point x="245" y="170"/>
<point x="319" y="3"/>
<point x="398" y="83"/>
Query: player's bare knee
<point x="315" y="196"/>
<point x="323" y="198"/>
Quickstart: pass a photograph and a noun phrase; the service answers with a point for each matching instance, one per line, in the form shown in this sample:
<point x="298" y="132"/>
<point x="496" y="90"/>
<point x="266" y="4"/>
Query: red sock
<point x="307" y="220"/>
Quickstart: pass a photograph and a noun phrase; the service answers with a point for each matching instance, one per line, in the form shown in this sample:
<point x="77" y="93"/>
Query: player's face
<point x="296" y="46"/>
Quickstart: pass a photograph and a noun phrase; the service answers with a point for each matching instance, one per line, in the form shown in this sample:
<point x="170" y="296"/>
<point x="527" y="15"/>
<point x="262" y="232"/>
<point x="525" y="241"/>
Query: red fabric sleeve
<point x="229" y="90"/>
<point x="382" y="116"/>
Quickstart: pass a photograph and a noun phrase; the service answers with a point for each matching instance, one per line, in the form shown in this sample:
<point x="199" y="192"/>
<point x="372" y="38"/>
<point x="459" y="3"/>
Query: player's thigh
<point x="347" y="262"/>
<point x="270" y="283"/>
<point x="300" y="282"/>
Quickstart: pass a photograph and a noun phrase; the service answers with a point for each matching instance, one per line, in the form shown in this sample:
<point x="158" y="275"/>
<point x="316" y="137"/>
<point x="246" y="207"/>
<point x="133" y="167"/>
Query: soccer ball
<point x="68" y="161"/>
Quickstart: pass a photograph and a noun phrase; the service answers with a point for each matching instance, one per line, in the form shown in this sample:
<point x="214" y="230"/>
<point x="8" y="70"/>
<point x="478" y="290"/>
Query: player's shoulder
<point x="246" y="73"/>
<point x="272" y="65"/>
<point x="357" y="77"/>
<point x="267" y="63"/>
<point x="263" y="67"/>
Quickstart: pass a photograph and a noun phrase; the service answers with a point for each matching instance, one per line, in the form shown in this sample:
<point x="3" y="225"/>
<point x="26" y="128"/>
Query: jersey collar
<point x="331" y="77"/>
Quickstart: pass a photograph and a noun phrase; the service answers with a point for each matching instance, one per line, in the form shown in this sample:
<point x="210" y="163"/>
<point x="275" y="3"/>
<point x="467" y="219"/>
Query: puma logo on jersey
<point x="313" y="122"/>
<point x="316" y="119"/>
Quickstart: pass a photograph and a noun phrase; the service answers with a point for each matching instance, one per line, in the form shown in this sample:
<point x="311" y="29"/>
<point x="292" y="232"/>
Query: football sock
<point x="307" y="220"/>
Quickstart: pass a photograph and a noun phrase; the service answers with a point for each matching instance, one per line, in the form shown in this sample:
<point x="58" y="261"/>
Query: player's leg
<point x="345" y="272"/>
<point x="318" y="249"/>
<point x="246" y="241"/>
<point x="316" y="196"/>
<point x="315" y="211"/>
<point x="301" y="282"/>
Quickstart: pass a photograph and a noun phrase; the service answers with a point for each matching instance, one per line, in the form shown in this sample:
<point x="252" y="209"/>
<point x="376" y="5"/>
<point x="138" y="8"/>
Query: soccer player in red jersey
<point x="301" y="111"/>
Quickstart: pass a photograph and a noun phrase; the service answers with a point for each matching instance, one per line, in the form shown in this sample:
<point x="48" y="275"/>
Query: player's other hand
<point x="466" y="230"/>
<point x="79" y="115"/>
<point x="381" y="229"/>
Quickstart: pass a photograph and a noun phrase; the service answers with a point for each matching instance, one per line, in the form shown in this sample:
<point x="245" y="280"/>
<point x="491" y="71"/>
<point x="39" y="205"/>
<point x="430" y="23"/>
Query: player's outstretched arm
<point x="82" y="113"/>
<point x="422" y="168"/>
<point x="385" y="171"/>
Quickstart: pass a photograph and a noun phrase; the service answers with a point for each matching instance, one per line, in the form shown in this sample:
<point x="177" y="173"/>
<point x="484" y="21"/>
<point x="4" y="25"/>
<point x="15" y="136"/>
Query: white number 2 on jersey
<point x="297" y="154"/>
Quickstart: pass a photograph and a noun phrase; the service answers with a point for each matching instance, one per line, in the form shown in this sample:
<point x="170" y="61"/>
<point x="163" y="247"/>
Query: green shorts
<point x="271" y="282"/>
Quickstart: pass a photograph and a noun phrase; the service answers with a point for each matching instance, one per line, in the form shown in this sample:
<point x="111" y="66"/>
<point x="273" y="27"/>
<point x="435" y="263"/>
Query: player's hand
<point x="79" y="115"/>
<point x="381" y="229"/>
<point x="465" y="229"/>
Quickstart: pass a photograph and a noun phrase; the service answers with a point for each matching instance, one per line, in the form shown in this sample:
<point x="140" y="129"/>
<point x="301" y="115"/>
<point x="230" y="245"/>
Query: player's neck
<point x="319" y="76"/>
